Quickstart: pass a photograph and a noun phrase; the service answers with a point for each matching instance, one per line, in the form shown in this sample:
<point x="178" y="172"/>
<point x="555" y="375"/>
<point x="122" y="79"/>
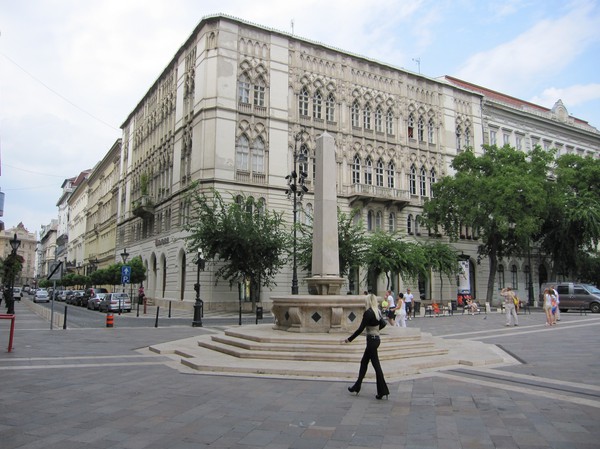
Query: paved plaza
<point x="100" y="388"/>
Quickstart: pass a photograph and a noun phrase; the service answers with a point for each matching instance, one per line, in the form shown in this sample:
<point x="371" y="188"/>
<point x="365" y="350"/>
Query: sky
<point x="71" y="71"/>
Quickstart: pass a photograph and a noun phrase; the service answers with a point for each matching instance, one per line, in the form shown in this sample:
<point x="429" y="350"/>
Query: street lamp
<point x="199" y="305"/>
<point x="10" y="300"/>
<point x="124" y="256"/>
<point x="297" y="189"/>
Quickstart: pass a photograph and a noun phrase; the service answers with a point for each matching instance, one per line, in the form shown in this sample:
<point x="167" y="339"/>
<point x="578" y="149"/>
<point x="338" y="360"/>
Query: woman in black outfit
<point x="371" y="322"/>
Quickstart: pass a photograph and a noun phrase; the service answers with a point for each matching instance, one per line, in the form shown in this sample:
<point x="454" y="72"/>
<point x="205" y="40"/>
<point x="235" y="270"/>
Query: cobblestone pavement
<point x="91" y="388"/>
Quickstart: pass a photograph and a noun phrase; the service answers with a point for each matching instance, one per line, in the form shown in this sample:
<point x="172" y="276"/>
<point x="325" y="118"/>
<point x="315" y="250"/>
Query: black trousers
<point x="371" y="355"/>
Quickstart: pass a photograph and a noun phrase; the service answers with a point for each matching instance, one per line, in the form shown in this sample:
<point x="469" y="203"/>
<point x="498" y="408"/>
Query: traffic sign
<point x="125" y="274"/>
<point x="55" y="270"/>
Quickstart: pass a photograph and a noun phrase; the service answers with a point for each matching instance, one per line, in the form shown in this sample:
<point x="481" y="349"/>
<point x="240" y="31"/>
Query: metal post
<point x="199" y="305"/>
<point x="156" y="321"/>
<point x="65" y="320"/>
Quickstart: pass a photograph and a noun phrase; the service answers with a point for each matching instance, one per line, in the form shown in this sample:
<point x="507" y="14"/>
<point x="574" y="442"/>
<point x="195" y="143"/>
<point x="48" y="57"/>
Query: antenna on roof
<point x="292" y="24"/>
<point x="418" y="61"/>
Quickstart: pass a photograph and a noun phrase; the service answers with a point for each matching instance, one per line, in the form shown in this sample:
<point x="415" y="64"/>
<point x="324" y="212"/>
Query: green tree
<point x="249" y="240"/>
<point x="441" y="258"/>
<point x="572" y="227"/>
<point x="501" y="194"/>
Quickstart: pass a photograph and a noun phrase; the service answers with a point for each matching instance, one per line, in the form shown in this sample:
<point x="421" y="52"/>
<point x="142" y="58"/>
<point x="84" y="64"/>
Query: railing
<point x="386" y="193"/>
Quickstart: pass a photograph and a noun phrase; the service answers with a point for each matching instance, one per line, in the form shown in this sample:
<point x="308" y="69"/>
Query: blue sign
<point x="125" y="274"/>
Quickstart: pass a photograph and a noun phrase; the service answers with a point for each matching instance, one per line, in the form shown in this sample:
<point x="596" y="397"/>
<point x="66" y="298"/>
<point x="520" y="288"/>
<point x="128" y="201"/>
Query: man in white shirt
<point x="408" y="300"/>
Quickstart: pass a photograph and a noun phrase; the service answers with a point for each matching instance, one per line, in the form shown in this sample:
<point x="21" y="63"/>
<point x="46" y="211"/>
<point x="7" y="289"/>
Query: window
<point x="421" y="129"/>
<point x="389" y="122"/>
<point x="412" y="180"/>
<point x="303" y="159"/>
<point x="467" y="136"/>
<point x="458" y="137"/>
<point x="430" y="131"/>
<point x="378" y="119"/>
<point x="411" y="126"/>
<point x="492" y="137"/>
<point x="317" y="105"/>
<point x="242" y="153"/>
<point x="417" y="221"/>
<point x="303" y="102"/>
<point x="369" y="171"/>
<point x="330" y="108"/>
<point x="367" y="116"/>
<point x="259" y="93"/>
<point x="379" y="173"/>
<point x="355" y="114"/>
<point x="308" y="214"/>
<point x="370" y="220"/>
<point x="244" y="89"/>
<point x="391" y="222"/>
<point x="432" y="179"/>
<point x="391" y="175"/>
<point x="258" y="156"/>
<point x="501" y="276"/>
<point x="409" y="224"/>
<point x="515" y="277"/>
<point x="423" y="182"/>
<point x="519" y="143"/>
<point x="356" y="170"/>
<point x="505" y="139"/>
<point x="378" y="220"/>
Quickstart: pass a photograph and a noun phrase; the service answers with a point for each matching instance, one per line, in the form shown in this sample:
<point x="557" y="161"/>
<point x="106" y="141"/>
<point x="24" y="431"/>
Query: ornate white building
<point x="226" y="110"/>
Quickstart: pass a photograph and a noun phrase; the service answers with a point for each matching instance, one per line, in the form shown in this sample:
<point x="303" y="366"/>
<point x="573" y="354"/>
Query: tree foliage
<point x="442" y="259"/>
<point x="501" y="194"/>
<point x="249" y="241"/>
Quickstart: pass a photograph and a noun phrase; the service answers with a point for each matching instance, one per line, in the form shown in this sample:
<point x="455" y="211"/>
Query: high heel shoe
<point x="380" y="396"/>
<point x="354" y="389"/>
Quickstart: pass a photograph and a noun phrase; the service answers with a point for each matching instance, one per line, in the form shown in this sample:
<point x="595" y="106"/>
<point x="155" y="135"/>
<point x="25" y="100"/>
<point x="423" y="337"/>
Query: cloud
<point x="548" y="47"/>
<point x="573" y="95"/>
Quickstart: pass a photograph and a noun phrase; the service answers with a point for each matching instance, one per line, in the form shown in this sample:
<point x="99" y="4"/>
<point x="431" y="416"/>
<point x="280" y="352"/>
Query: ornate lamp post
<point x="297" y="189"/>
<point x="124" y="256"/>
<point x="10" y="300"/>
<point x="199" y="305"/>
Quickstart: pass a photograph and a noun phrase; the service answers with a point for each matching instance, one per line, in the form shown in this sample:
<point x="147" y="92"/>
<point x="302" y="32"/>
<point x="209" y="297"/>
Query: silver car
<point x="41" y="296"/>
<point x="114" y="302"/>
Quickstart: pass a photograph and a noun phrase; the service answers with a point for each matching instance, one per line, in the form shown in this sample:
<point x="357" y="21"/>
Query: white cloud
<point x="548" y="47"/>
<point x="571" y="96"/>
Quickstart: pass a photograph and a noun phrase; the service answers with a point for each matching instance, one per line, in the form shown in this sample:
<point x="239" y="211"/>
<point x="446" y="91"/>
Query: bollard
<point x="109" y="319"/>
<point x="65" y="319"/>
<point x="259" y="314"/>
<point x="169" y="309"/>
<point x="157" y="312"/>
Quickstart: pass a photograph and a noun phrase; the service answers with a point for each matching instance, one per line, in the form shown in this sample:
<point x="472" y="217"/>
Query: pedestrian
<point x="557" y="314"/>
<point x="548" y="299"/>
<point x="372" y="322"/>
<point x="400" y="311"/>
<point x="408" y="300"/>
<point x="141" y="294"/>
<point x="509" y="306"/>
<point x="391" y="314"/>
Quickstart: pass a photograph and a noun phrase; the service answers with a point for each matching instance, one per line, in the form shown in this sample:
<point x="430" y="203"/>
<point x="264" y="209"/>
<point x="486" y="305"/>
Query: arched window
<point x="391" y="175"/>
<point x="242" y="154"/>
<point x="430" y="131"/>
<point x="356" y="170"/>
<point x="421" y="129"/>
<point x="515" y="277"/>
<point x="303" y="102"/>
<point x="389" y="122"/>
<point x="370" y="220"/>
<point x="303" y="158"/>
<point x="412" y="180"/>
<point x="355" y="114"/>
<point x="369" y="171"/>
<point x="379" y="173"/>
<point x="378" y="119"/>
<point x="318" y="105"/>
<point x="411" y="126"/>
<point x="391" y="222"/>
<point x="367" y="116"/>
<point x="258" y="156"/>
<point x="409" y="224"/>
<point x="259" y="92"/>
<point x="244" y="89"/>
<point x="423" y="182"/>
<point x="308" y="214"/>
<point x="330" y="108"/>
<point x="467" y="136"/>
<point x="500" y="276"/>
<point x="432" y="180"/>
<point x="261" y="206"/>
<point x="378" y="220"/>
<point x="417" y="225"/>
<point x="458" y="137"/>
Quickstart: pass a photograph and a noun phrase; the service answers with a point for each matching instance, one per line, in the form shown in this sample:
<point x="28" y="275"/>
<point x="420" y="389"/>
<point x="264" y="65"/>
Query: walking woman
<point x="548" y="299"/>
<point x="372" y="322"/>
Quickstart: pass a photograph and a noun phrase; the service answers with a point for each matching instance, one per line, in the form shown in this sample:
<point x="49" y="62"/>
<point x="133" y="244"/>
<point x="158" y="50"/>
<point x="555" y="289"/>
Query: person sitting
<point x="436" y="309"/>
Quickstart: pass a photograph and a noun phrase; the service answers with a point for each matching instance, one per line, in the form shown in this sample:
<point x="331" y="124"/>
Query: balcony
<point x="143" y="207"/>
<point x="367" y="193"/>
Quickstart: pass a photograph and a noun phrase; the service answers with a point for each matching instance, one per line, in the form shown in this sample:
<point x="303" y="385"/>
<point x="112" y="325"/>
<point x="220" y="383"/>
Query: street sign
<point x="125" y="274"/>
<point x="55" y="271"/>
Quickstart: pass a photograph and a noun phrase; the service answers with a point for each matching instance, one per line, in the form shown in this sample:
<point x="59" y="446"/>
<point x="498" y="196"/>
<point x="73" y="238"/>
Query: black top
<point x="369" y="319"/>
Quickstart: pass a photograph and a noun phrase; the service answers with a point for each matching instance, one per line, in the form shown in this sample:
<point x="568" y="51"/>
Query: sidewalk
<point x="92" y="388"/>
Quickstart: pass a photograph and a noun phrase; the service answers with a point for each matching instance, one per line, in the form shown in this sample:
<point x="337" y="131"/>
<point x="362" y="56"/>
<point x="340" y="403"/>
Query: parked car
<point x="41" y="296"/>
<point x="112" y="302"/>
<point x="94" y="301"/>
<point x="75" y="297"/>
<point x="64" y="294"/>
<point x="17" y="293"/>
<point x="575" y="295"/>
